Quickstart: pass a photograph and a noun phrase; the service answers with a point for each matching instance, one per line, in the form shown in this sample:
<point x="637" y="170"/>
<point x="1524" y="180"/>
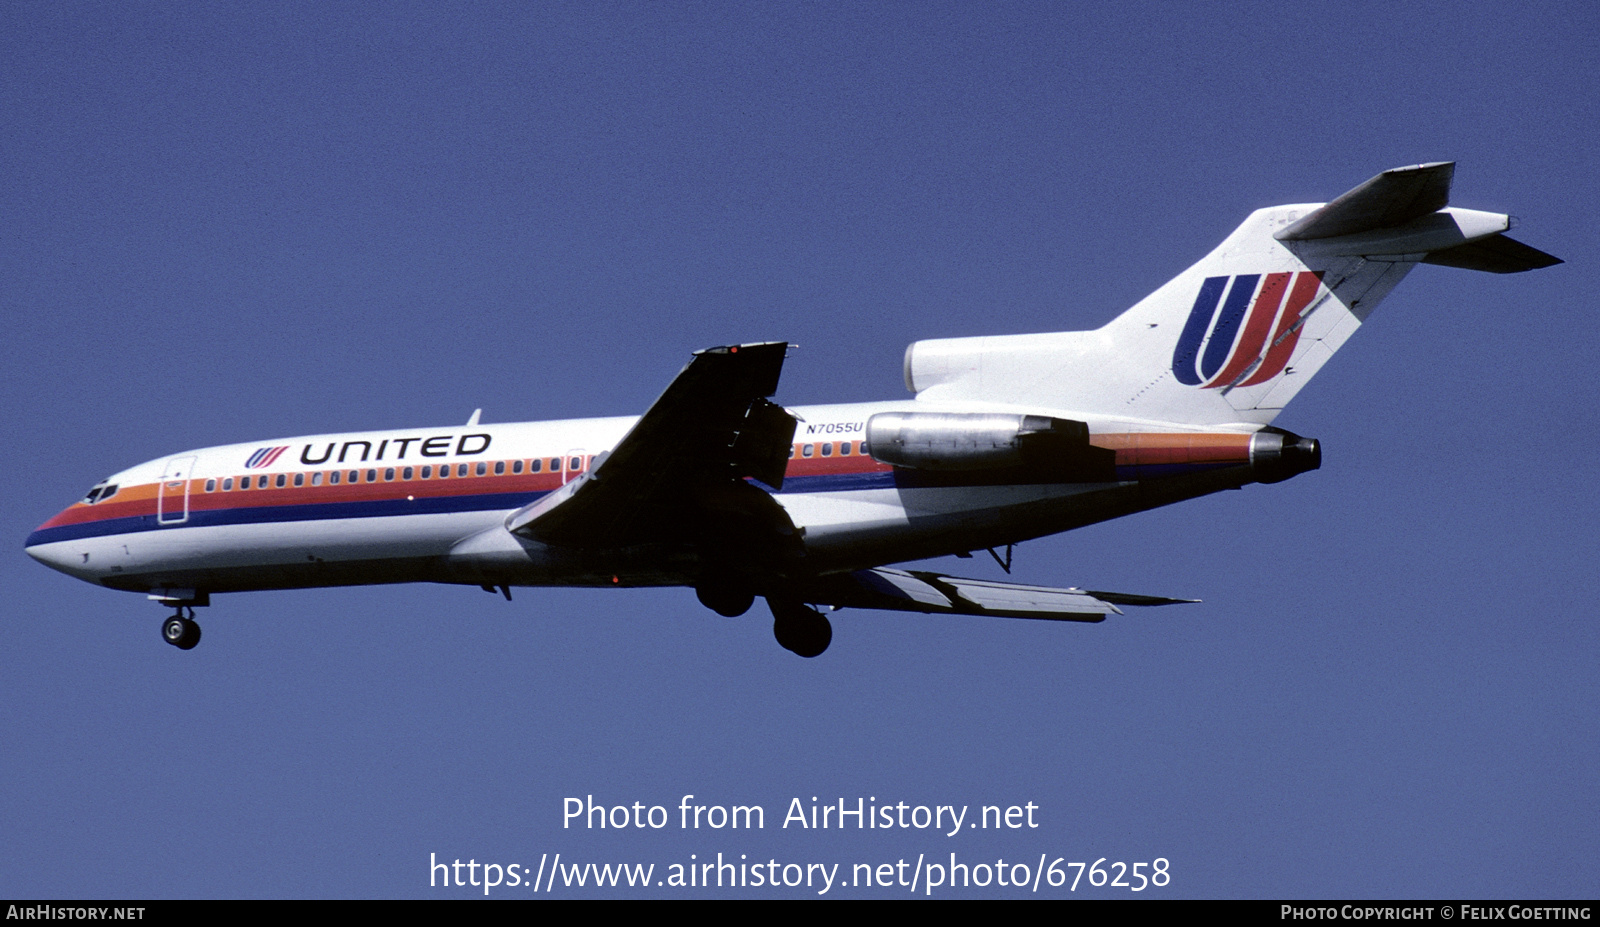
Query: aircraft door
<point x="572" y="466"/>
<point x="172" y="493"/>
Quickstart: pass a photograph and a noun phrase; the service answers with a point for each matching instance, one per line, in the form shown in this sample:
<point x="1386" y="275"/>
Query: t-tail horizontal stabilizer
<point x="1229" y="342"/>
<point x="1405" y="213"/>
<point x="935" y="593"/>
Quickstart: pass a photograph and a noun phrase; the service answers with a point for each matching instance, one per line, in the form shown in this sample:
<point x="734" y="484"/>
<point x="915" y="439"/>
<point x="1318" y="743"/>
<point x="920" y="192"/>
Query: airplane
<point x="1005" y="439"/>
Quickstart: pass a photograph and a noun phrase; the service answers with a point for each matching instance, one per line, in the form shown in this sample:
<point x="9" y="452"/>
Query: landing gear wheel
<point x="727" y="601"/>
<point x="800" y="629"/>
<point x="182" y="633"/>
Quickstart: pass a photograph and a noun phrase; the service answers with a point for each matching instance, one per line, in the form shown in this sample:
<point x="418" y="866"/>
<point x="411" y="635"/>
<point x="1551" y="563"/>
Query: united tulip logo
<point x="1242" y="331"/>
<point x="264" y="456"/>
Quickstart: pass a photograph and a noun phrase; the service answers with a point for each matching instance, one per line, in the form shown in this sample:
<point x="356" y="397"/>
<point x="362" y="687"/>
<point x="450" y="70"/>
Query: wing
<point x="683" y="463"/>
<point x="934" y="593"/>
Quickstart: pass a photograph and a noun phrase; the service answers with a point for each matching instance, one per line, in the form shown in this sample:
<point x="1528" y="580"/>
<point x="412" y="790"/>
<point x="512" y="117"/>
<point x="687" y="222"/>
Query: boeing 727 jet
<point x="717" y="487"/>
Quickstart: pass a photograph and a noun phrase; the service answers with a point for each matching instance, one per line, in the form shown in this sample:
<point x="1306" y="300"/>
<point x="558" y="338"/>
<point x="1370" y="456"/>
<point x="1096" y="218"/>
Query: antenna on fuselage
<point x="474" y="419"/>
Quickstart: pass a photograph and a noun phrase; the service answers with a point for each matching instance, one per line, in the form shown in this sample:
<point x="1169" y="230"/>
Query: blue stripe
<point x="426" y="505"/>
<point x="1244" y="287"/>
<point x="1194" y="330"/>
<point x="837" y="482"/>
<point x="1149" y="471"/>
<point x="438" y="505"/>
<point x="269" y="514"/>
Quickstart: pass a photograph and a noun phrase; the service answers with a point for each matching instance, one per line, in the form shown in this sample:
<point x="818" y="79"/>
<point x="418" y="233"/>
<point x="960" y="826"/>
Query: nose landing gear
<point x="182" y="633"/>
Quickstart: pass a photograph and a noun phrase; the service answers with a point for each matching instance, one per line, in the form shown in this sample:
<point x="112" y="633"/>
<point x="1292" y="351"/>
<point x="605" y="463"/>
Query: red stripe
<point x="1255" y="329"/>
<point x="141" y="500"/>
<point x="1282" y="348"/>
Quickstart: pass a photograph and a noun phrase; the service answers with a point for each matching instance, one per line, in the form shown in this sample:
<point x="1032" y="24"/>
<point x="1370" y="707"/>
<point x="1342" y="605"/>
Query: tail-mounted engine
<point x="1000" y="445"/>
<point x="965" y="442"/>
<point x="1277" y="455"/>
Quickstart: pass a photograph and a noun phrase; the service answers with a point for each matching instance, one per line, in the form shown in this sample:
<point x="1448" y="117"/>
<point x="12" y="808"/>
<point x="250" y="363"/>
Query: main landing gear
<point x="726" y="599"/>
<point x="182" y="633"/>
<point x="800" y="628"/>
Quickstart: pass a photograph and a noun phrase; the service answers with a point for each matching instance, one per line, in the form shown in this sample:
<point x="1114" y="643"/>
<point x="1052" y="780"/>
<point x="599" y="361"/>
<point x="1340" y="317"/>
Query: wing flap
<point x="936" y="593"/>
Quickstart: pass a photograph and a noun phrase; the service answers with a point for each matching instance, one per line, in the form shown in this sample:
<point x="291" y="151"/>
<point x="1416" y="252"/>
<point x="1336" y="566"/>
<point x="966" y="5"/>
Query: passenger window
<point x="535" y="465"/>
<point x="499" y="468"/>
<point x="807" y="450"/>
<point x="427" y="472"/>
<point x="283" y="480"/>
<point x="406" y="473"/>
<point x="555" y="464"/>
<point x="827" y="449"/>
<point x="316" y="478"/>
<point x="227" y="485"/>
<point x="299" y="479"/>
<point x="388" y="475"/>
<point x="333" y="478"/>
<point x="355" y="476"/>
<point x="211" y="485"/>
<point x="575" y="464"/>
<point x="844" y="449"/>
<point x="444" y="472"/>
<point x="791" y="451"/>
<point x="461" y="470"/>
<point x="372" y="476"/>
<point x="516" y="466"/>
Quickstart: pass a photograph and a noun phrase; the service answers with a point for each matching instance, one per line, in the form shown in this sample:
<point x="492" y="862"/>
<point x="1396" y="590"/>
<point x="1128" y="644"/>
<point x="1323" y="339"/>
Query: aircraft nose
<point x="58" y="555"/>
<point x="48" y="554"/>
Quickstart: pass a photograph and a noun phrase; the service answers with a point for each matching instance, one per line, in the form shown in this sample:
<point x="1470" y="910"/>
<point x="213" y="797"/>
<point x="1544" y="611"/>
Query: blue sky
<point x="228" y="224"/>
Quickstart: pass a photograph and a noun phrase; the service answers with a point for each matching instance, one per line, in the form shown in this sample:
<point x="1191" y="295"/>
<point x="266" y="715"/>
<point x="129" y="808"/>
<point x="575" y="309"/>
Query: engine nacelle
<point x="1277" y="455"/>
<point x="961" y="441"/>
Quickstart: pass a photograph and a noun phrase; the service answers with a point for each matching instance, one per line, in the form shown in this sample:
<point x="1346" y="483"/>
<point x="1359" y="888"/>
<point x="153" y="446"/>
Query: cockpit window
<point x="100" y="493"/>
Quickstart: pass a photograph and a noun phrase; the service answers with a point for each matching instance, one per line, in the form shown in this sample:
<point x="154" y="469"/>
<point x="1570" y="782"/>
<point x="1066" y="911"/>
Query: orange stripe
<point x="1134" y="450"/>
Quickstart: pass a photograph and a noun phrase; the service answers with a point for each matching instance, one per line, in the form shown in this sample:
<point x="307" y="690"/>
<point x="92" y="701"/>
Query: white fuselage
<point x="431" y="505"/>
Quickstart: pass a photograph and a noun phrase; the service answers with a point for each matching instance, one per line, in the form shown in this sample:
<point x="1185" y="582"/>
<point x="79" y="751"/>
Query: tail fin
<point x="1231" y="340"/>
